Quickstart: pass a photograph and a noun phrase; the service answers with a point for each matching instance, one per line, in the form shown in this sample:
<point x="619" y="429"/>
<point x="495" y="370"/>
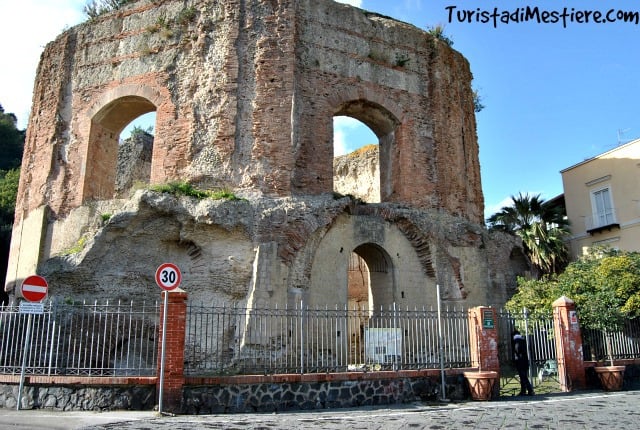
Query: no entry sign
<point x="168" y="276"/>
<point x="34" y="288"/>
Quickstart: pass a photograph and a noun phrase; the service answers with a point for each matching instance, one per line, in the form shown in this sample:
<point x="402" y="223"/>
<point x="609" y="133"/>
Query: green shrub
<point x="79" y="246"/>
<point x="402" y="59"/>
<point x="437" y="31"/>
<point x="187" y="190"/>
<point x="186" y="15"/>
<point x="223" y="194"/>
<point x="95" y="8"/>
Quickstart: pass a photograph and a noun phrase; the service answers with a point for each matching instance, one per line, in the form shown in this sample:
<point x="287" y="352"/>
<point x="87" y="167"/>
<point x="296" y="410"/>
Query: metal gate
<point x="543" y="368"/>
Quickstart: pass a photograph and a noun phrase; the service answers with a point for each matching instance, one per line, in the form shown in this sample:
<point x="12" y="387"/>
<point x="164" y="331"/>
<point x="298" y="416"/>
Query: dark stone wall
<point x="216" y="399"/>
<point x="80" y="397"/>
<point x="238" y="398"/>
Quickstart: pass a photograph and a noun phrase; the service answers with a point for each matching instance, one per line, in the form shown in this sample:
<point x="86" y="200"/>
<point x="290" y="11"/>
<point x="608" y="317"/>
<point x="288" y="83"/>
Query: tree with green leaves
<point x="8" y="191"/>
<point x="11" y="141"/>
<point x="542" y="228"/>
<point x="11" y="147"/>
<point x="603" y="280"/>
<point x="605" y="286"/>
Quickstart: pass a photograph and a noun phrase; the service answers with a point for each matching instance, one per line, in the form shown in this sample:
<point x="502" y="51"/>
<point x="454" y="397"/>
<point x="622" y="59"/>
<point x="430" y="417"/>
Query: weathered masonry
<point x="245" y="92"/>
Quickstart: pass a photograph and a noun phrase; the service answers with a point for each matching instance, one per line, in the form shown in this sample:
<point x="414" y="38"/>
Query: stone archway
<point x="102" y="152"/>
<point x="370" y="288"/>
<point x="379" y="271"/>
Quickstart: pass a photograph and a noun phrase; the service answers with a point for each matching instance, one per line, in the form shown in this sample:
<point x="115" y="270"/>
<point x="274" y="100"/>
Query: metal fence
<point x="541" y="346"/>
<point x="120" y="339"/>
<point x="240" y="340"/>
<point x="538" y="332"/>
<point x="624" y="343"/>
<point x="85" y="339"/>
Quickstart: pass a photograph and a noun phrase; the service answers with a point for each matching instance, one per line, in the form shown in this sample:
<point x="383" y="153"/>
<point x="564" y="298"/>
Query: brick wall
<point x="571" y="367"/>
<point x="174" y="349"/>
<point x="251" y="107"/>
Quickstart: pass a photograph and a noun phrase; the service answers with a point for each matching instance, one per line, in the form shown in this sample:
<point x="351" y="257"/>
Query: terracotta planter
<point x="611" y="377"/>
<point x="481" y="384"/>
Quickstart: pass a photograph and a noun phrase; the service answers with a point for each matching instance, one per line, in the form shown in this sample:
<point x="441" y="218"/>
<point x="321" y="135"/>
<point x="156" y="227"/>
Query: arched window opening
<point x="104" y="178"/>
<point x="366" y="177"/>
<point x="135" y="149"/>
<point x="356" y="166"/>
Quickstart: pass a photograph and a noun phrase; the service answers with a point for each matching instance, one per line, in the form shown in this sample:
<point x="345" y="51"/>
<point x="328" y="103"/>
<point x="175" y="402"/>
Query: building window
<point x="604" y="214"/>
<point x="602" y="207"/>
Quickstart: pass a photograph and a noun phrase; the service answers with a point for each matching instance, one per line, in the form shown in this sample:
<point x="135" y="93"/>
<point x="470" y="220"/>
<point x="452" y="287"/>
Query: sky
<point x="555" y="94"/>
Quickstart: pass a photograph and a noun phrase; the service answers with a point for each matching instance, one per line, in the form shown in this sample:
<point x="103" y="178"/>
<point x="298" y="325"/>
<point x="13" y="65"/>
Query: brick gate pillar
<point x="483" y="338"/>
<point x="568" y="345"/>
<point x="174" y="350"/>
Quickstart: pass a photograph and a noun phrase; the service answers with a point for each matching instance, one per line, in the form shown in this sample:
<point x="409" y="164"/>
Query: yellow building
<point x="602" y="197"/>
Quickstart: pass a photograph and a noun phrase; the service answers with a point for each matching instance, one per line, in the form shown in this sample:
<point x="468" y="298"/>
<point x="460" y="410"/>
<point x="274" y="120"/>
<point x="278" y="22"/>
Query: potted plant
<point x="480" y="382"/>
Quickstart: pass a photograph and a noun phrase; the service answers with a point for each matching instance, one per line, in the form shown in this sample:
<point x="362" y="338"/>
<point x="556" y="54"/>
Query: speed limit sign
<point x="168" y="276"/>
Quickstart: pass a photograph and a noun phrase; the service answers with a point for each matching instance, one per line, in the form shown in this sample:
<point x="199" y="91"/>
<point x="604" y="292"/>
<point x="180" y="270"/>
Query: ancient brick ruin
<point x="245" y="92"/>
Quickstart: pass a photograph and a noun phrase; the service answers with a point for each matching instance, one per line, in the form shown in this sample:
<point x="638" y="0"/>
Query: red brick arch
<point x="102" y="147"/>
<point x="106" y="117"/>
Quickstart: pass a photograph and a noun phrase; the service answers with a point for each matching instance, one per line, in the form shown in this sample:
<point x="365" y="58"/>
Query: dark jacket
<point x="520" y="350"/>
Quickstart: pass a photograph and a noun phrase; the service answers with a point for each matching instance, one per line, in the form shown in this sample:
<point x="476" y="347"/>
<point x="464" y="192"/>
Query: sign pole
<point x="163" y="348"/>
<point x="33" y="289"/>
<point x="168" y="278"/>
<point x="440" y="347"/>
<point x="27" y="341"/>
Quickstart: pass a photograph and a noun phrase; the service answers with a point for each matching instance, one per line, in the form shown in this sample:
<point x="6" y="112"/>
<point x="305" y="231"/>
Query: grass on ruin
<point x="188" y="190"/>
<point x="362" y="150"/>
<point x="77" y="247"/>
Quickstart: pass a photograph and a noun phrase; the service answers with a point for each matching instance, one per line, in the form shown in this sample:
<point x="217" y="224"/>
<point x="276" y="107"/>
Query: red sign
<point x="34" y="288"/>
<point x="168" y="276"/>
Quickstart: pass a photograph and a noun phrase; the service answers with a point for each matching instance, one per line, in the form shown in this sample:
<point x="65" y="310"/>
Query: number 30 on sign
<point x="168" y="276"/>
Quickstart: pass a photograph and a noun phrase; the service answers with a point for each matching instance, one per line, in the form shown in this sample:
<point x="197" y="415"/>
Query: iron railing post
<point x="301" y="336"/>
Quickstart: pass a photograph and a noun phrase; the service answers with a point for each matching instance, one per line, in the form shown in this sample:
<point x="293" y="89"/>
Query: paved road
<point x="584" y="410"/>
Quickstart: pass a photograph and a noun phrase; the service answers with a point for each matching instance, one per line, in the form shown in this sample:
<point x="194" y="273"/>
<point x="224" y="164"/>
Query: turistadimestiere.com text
<point x="562" y="16"/>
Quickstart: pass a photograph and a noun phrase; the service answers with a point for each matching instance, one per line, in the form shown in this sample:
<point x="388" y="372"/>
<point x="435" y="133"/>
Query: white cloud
<point x="346" y="123"/>
<point x="342" y="127"/>
<point x="339" y="143"/>
<point x="413" y="4"/>
<point x="345" y="133"/>
<point x="26" y="26"/>
<point x="496" y="207"/>
<point x="491" y="209"/>
<point x="356" y="3"/>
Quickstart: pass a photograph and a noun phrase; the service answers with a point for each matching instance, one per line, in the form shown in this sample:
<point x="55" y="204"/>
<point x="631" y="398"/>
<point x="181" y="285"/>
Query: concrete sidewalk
<point x="55" y="420"/>
<point x="581" y="410"/>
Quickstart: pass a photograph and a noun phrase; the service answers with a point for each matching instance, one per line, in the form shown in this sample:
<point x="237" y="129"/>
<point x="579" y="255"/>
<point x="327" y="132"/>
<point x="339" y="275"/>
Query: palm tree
<point x="542" y="227"/>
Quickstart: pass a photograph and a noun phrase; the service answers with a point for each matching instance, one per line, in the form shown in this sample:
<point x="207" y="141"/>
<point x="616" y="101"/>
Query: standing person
<point x="521" y="360"/>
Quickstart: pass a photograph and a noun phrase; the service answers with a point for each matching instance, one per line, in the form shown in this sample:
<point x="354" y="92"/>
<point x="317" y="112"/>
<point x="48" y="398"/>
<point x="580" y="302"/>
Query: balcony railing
<point x="602" y="221"/>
